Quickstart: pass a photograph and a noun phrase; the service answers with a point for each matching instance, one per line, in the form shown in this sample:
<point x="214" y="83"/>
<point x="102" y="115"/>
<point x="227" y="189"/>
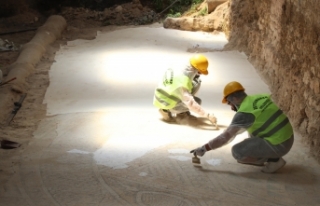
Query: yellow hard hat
<point x="230" y="88"/>
<point x="200" y="62"/>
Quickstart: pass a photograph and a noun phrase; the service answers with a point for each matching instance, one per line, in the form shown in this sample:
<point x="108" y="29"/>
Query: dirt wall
<point x="282" y="41"/>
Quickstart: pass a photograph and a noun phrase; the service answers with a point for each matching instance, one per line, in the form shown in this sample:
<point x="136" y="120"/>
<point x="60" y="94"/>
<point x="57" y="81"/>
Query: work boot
<point x="166" y="115"/>
<point x="272" y="167"/>
<point x="184" y="115"/>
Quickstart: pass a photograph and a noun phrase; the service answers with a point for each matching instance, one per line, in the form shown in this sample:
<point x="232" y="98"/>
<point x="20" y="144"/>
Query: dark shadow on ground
<point x="196" y="122"/>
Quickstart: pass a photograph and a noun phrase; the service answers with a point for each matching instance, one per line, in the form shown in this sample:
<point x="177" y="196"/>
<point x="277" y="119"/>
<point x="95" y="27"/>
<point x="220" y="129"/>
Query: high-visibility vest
<point x="270" y="122"/>
<point x="164" y="95"/>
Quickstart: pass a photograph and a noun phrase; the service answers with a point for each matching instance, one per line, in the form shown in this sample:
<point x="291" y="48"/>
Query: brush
<point x="196" y="159"/>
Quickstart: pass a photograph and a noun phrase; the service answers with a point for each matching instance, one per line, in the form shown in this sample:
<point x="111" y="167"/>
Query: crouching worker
<point x="271" y="134"/>
<point x="175" y="94"/>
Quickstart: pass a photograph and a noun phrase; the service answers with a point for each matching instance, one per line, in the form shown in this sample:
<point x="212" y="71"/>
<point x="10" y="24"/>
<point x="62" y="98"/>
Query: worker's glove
<point x="200" y="151"/>
<point x="212" y="118"/>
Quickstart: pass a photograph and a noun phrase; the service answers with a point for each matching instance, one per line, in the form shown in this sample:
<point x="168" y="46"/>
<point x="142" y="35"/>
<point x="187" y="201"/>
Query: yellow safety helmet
<point x="230" y="88"/>
<point x="200" y="62"/>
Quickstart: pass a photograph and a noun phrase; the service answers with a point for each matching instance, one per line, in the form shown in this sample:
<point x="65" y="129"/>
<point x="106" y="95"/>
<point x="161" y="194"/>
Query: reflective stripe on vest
<point x="168" y="97"/>
<point x="267" y="123"/>
<point x="165" y="96"/>
<point x="270" y="122"/>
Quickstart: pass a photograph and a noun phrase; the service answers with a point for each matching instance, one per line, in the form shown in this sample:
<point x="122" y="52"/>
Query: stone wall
<point x="216" y="20"/>
<point x="282" y="40"/>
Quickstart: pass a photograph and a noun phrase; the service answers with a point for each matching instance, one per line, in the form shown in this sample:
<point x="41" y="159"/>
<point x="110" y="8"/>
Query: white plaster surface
<point x="103" y="142"/>
<point x="119" y="70"/>
<point x="214" y="162"/>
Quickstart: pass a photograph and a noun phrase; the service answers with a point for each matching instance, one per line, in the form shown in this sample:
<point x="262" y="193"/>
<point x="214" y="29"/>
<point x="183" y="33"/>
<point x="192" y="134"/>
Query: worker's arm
<point x="192" y="105"/>
<point x="224" y="138"/>
<point x="240" y="123"/>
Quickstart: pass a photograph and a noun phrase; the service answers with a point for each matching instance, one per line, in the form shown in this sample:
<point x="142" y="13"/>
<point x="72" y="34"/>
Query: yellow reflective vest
<point x="165" y="96"/>
<point x="270" y="122"/>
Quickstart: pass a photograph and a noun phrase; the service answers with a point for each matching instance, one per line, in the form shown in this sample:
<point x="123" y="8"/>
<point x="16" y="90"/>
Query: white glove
<point x="212" y="118"/>
<point x="200" y="151"/>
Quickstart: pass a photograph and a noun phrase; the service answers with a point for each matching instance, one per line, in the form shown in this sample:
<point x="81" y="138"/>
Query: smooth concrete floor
<point x="103" y="142"/>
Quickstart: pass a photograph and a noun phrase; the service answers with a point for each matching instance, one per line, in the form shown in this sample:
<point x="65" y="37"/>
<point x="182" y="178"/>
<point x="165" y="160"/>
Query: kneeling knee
<point x="236" y="153"/>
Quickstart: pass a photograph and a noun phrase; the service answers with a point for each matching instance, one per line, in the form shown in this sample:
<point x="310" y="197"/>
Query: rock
<point x="107" y="12"/>
<point x="211" y="22"/>
<point x="118" y="9"/>
<point x="135" y="12"/>
<point x="213" y="4"/>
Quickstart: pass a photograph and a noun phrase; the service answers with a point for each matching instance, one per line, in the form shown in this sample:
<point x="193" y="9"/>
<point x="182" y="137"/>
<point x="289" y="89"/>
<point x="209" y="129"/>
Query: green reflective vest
<point x="165" y="96"/>
<point x="270" y="122"/>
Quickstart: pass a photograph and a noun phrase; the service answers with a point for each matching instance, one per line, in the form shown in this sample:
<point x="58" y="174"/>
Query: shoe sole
<point x="276" y="169"/>
<point x="253" y="164"/>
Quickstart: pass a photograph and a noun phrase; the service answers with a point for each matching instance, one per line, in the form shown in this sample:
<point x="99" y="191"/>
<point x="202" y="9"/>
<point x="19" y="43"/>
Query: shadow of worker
<point x="197" y="122"/>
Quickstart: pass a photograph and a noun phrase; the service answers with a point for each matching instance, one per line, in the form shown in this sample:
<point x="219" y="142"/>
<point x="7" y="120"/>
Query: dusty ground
<point x="296" y="184"/>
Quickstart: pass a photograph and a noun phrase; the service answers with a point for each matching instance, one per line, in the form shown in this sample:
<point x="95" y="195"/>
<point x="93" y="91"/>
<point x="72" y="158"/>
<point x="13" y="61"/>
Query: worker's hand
<point x="200" y="151"/>
<point x="212" y="118"/>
